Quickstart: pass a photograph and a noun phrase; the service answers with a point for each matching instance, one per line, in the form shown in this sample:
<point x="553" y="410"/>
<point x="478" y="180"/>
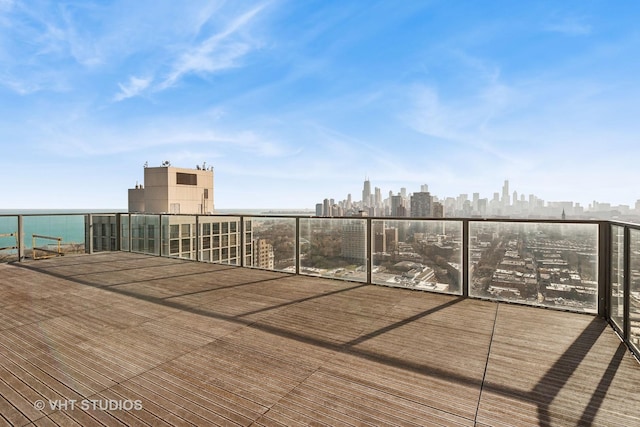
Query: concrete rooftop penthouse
<point x="211" y="344"/>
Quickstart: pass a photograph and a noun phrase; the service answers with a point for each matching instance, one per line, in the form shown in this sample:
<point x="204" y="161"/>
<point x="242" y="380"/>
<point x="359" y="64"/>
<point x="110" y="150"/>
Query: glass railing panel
<point x="616" y="296"/>
<point x="543" y="264"/>
<point x="51" y="235"/>
<point x="8" y="238"/>
<point x="220" y="240"/>
<point x="334" y="248"/>
<point x="105" y="232"/>
<point x="179" y="236"/>
<point x="417" y="254"/>
<point x="145" y="234"/>
<point x="270" y="243"/>
<point x="634" y="294"/>
<point x="124" y="232"/>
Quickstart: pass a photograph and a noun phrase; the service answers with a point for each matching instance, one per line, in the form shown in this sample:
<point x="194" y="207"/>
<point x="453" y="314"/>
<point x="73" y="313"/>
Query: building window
<point x="206" y="193"/>
<point x="186" y="178"/>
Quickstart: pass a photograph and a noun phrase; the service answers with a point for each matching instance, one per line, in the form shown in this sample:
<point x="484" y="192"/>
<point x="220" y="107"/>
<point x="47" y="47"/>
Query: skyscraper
<point x="505" y="194"/>
<point x="421" y="205"/>
<point x="366" y="194"/>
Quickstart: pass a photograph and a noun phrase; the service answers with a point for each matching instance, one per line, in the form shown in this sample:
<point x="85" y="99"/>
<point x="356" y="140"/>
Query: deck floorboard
<point x="206" y="344"/>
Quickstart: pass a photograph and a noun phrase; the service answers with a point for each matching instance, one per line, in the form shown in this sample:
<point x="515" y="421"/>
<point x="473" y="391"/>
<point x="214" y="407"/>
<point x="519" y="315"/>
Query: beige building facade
<point x="168" y="189"/>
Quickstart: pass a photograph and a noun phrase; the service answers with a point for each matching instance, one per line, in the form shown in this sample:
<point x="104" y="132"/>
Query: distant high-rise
<point x="366" y="194"/>
<point x="396" y="204"/>
<point x="438" y="210"/>
<point x="421" y="205"/>
<point x="505" y="194"/>
<point x="424" y="188"/>
<point x="326" y="207"/>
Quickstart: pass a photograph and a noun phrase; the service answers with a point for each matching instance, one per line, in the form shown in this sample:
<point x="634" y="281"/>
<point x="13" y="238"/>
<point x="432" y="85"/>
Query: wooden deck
<point x="202" y="344"/>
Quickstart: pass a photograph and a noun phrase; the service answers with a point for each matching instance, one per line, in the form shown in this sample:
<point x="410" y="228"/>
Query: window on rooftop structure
<point x="206" y="193"/>
<point x="186" y="178"/>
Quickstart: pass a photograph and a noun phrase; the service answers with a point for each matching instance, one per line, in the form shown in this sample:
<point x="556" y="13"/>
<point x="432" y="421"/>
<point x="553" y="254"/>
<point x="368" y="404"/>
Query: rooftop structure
<point x="168" y="189"/>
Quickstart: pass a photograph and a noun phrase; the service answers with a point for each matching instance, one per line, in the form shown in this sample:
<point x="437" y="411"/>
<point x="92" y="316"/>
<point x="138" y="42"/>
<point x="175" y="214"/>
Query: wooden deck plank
<point x="202" y="343"/>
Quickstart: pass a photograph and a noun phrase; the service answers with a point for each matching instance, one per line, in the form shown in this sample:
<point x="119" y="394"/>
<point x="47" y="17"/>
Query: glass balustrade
<point x="52" y="235"/>
<point x="145" y="234"/>
<point x="334" y="248"/>
<point x="543" y="264"/>
<point x="179" y="236"/>
<point x="105" y="235"/>
<point x="415" y="254"/>
<point x="8" y="238"/>
<point x="220" y="239"/>
<point x="270" y="243"/>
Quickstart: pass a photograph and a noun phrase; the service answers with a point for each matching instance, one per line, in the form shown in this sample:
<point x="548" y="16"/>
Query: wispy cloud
<point x="133" y="87"/>
<point x="570" y="26"/>
<point x="218" y="52"/>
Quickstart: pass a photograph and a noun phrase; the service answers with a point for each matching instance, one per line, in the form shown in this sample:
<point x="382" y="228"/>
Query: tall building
<point x="167" y="189"/>
<point x="505" y="194"/>
<point x="438" y="210"/>
<point x="396" y="205"/>
<point x="263" y="256"/>
<point x="421" y="205"/>
<point x="185" y="193"/>
<point x="353" y="242"/>
<point x="366" y="194"/>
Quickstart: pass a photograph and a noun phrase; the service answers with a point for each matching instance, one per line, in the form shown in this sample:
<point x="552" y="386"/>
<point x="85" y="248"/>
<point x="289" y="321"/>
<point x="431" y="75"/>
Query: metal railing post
<point x="20" y="238"/>
<point x="89" y="225"/>
<point x="297" y="245"/>
<point x="129" y="238"/>
<point x="465" y="258"/>
<point x="242" y="241"/>
<point x="198" y="245"/>
<point x="159" y="235"/>
<point x="604" y="269"/>
<point x="627" y="285"/>
<point x="369" y="250"/>
<point x="117" y="236"/>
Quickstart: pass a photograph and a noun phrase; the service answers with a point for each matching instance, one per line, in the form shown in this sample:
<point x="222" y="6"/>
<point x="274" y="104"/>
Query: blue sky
<point x="295" y="101"/>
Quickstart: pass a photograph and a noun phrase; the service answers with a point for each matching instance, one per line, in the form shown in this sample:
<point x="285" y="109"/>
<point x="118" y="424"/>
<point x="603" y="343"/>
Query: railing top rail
<point x="14" y="215"/>
<point x="377" y="218"/>
<point x="624" y="224"/>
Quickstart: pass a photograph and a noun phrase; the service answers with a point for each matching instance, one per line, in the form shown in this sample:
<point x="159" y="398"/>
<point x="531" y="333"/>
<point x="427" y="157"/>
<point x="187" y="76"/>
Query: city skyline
<point x="424" y="202"/>
<point x="292" y="102"/>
